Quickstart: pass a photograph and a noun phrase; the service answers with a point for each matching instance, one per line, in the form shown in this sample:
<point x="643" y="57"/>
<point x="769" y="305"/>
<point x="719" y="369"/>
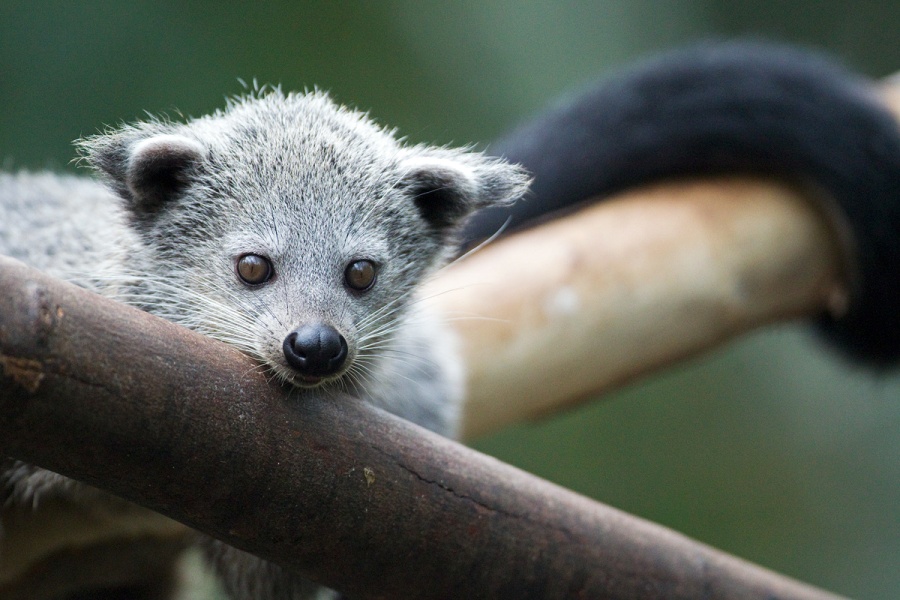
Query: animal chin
<point x="293" y="377"/>
<point x="307" y="381"/>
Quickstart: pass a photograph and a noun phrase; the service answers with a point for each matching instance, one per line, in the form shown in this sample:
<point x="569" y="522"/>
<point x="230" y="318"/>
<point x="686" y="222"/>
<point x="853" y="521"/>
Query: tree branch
<point x="348" y="495"/>
<point x="629" y="285"/>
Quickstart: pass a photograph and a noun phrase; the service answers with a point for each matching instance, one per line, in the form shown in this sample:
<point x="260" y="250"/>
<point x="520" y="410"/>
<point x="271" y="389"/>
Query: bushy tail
<point x="733" y="107"/>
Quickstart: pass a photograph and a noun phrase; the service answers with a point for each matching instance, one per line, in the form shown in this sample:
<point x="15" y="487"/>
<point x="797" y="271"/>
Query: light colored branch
<point x="587" y="302"/>
<point x="557" y="314"/>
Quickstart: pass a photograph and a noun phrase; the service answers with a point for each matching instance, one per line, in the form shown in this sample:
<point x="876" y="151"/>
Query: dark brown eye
<point x="360" y="275"/>
<point x="254" y="269"/>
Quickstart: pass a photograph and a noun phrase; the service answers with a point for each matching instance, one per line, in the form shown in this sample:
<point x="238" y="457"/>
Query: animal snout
<point x="315" y="350"/>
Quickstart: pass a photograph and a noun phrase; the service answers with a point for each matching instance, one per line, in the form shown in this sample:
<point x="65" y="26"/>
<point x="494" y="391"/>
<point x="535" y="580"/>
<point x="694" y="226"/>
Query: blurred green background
<point x="770" y="448"/>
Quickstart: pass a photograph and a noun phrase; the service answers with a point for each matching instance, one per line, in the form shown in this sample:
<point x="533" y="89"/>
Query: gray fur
<point x="295" y="178"/>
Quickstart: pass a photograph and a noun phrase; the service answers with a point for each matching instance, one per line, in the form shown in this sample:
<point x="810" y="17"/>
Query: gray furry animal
<point x="298" y="231"/>
<point x="292" y="228"/>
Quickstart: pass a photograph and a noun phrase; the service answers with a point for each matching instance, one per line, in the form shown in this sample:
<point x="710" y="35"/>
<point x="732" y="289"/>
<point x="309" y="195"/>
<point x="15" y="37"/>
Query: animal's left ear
<point x="448" y="186"/>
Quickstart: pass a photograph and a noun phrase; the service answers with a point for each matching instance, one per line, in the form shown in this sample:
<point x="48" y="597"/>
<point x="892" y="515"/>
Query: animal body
<point x="298" y="231"/>
<point x="290" y="227"/>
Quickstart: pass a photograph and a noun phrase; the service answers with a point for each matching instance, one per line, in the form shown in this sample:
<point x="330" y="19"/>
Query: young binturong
<point x="299" y="232"/>
<point x="288" y="226"/>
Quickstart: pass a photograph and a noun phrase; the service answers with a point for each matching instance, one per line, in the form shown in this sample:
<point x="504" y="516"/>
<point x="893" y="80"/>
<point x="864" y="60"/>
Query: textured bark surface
<point x="348" y="495"/>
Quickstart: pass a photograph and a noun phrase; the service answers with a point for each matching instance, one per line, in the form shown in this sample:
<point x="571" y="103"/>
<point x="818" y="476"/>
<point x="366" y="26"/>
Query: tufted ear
<point x="448" y="186"/>
<point x="146" y="170"/>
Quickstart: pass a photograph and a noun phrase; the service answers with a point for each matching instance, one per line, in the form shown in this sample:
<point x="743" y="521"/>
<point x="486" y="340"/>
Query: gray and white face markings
<point x="283" y="210"/>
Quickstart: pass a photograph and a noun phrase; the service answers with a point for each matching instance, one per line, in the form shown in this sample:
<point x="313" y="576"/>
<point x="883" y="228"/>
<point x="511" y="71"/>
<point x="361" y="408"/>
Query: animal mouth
<point x="292" y="377"/>
<point x="307" y="380"/>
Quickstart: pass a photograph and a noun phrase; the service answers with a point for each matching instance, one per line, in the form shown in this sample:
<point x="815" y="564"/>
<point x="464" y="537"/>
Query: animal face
<point x="291" y="228"/>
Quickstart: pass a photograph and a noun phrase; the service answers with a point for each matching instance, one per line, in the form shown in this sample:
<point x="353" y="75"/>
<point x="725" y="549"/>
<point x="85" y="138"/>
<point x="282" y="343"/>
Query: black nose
<point x="315" y="350"/>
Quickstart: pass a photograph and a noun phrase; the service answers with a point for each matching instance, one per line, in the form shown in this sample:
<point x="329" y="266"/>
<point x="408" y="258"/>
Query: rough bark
<point x="347" y="495"/>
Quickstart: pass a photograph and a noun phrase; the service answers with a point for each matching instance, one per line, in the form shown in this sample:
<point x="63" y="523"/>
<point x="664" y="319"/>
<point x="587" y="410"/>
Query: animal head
<point x="290" y="227"/>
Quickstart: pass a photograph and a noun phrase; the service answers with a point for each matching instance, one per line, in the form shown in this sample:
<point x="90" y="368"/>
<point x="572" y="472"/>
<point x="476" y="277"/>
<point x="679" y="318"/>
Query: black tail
<point x="737" y="107"/>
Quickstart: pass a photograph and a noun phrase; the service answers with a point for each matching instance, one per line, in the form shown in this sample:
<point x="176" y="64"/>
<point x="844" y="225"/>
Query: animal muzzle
<point x="316" y="350"/>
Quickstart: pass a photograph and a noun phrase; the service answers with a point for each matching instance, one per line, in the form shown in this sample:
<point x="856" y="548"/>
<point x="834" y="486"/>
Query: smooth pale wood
<point x="340" y="491"/>
<point x="890" y="93"/>
<point x="553" y="315"/>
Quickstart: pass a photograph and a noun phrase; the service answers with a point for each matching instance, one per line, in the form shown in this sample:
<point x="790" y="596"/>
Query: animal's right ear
<point x="145" y="170"/>
<point x="448" y="185"/>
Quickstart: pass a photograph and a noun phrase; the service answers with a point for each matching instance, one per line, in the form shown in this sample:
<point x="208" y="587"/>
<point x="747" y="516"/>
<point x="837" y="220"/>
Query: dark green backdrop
<point x="769" y="448"/>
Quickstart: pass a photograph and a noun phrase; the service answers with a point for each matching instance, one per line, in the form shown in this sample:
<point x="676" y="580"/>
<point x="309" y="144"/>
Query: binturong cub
<point x="286" y="225"/>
